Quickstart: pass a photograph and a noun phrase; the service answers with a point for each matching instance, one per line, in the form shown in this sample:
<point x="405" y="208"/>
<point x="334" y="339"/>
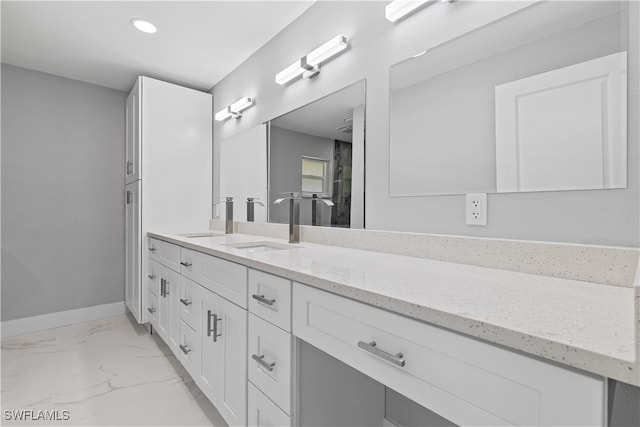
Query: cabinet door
<point x="164" y="307"/>
<point x="233" y="369"/>
<point x="211" y="345"/>
<point x="132" y="250"/>
<point x="223" y="367"/>
<point x="132" y="156"/>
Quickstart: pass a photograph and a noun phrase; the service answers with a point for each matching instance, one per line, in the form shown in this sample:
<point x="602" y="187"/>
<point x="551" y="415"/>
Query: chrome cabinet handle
<point x="213" y="329"/>
<point x="151" y="276"/>
<point x="129" y="167"/>
<point x="166" y="289"/>
<point x="129" y="197"/>
<point x="186" y="264"/>
<point x="261" y="362"/>
<point x="162" y="287"/>
<point x="152" y="249"/>
<point x="185" y="301"/>
<point x="396" y="359"/>
<point x="263" y="300"/>
<point x="151" y="310"/>
<point x="185" y="348"/>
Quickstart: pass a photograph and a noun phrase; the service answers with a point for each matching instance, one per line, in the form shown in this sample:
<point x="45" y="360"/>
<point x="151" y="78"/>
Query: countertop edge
<point x="627" y="371"/>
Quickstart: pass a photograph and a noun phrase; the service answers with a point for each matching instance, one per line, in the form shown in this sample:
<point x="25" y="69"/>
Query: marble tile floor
<point x="109" y="372"/>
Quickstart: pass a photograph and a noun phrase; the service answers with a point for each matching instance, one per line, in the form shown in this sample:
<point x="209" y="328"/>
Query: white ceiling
<point x="197" y="43"/>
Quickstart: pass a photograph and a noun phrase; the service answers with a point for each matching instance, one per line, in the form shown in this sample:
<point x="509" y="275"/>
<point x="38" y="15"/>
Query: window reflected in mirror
<point x="311" y="152"/>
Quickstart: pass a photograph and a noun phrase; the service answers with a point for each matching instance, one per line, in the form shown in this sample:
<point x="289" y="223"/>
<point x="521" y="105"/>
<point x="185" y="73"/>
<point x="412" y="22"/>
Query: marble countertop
<point x="585" y="325"/>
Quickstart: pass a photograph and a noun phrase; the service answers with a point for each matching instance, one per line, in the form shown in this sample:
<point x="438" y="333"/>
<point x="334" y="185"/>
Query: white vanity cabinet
<point x="223" y="370"/>
<point x="465" y="380"/>
<point x="164" y="289"/>
<point x="271" y="352"/>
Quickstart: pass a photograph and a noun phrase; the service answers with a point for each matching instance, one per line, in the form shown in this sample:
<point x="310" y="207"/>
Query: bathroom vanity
<point x="475" y="345"/>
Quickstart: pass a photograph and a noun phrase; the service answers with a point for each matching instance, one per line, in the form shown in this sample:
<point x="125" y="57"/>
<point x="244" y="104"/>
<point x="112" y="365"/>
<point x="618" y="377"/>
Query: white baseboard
<point x="54" y="320"/>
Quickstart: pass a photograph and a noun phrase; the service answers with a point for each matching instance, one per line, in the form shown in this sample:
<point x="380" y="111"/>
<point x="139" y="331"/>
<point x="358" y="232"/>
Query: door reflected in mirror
<point x="318" y="152"/>
<point x="533" y="102"/>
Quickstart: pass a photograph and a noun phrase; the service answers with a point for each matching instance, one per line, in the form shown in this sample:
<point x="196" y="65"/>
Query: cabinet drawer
<point x="270" y="361"/>
<point x="225" y="278"/>
<point x="189" y="349"/>
<point x="153" y="278"/>
<point x="465" y="380"/>
<point x="165" y="253"/>
<point x="270" y="298"/>
<point x="263" y="412"/>
<point x="152" y="308"/>
<point x="190" y="303"/>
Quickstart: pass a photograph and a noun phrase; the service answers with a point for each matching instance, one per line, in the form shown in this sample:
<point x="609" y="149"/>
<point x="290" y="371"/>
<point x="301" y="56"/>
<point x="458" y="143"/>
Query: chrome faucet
<point x="228" y="227"/>
<point x="315" y="213"/>
<point x="294" y="215"/>
<point x="251" y="202"/>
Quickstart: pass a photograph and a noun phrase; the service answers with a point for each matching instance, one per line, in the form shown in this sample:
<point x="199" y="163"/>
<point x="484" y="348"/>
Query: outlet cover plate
<point x="476" y="209"/>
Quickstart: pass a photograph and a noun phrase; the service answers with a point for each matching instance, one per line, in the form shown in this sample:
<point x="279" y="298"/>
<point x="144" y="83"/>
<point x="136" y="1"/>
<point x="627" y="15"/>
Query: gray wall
<point x="606" y="217"/>
<point x="62" y="194"/>
<point x="287" y="148"/>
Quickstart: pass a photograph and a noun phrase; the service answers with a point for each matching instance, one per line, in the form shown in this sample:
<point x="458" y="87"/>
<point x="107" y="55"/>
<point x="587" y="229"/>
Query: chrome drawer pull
<point x="263" y="300"/>
<point x="397" y="359"/>
<point x="186" y="264"/>
<point x="265" y="365"/>
<point x="185" y="301"/>
<point x="151" y="276"/>
<point x="152" y="249"/>
<point x="185" y="348"/>
<point x="151" y="310"/>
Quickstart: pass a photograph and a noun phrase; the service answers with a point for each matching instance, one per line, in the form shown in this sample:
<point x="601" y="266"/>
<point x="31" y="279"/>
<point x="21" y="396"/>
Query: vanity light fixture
<point x="234" y="110"/>
<point x="398" y="9"/>
<point x="309" y="65"/>
<point x="144" y="26"/>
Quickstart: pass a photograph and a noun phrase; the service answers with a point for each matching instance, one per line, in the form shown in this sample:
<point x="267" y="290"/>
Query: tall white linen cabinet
<point x="168" y="172"/>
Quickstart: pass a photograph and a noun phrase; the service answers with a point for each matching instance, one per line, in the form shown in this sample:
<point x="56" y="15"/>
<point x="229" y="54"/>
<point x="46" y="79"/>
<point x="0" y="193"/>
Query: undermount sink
<point x="261" y="246"/>
<point x="203" y="234"/>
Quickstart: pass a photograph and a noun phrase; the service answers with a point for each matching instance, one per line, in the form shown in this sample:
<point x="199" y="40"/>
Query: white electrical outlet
<point x="477" y="209"/>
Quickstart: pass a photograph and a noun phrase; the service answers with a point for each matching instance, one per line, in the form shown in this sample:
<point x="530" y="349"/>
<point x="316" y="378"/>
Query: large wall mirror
<point x="533" y="102"/>
<point x="317" y="151"/>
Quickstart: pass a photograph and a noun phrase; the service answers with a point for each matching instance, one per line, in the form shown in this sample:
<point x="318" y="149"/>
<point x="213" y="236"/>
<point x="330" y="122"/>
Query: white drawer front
<point x="270" y="298"/>
<point x="165" y="253"/>
<point x="263" y="412"/>
<point x="462" y="379"/>
<point x="225" y="278"/>
<point x="190" y="303"/>
<point x="152" y="309"/>
<point x="272" y="372"/>
<point x="153" y="278"/>
<point x="189" y="349"/>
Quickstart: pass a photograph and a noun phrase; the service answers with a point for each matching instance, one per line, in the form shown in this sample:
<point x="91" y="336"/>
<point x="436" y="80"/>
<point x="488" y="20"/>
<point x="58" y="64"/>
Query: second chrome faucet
<point x="294" y="215"/>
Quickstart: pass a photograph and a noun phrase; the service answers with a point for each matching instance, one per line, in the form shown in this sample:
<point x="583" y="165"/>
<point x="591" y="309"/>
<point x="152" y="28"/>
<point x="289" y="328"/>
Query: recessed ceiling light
<point x="144" y="26"/>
